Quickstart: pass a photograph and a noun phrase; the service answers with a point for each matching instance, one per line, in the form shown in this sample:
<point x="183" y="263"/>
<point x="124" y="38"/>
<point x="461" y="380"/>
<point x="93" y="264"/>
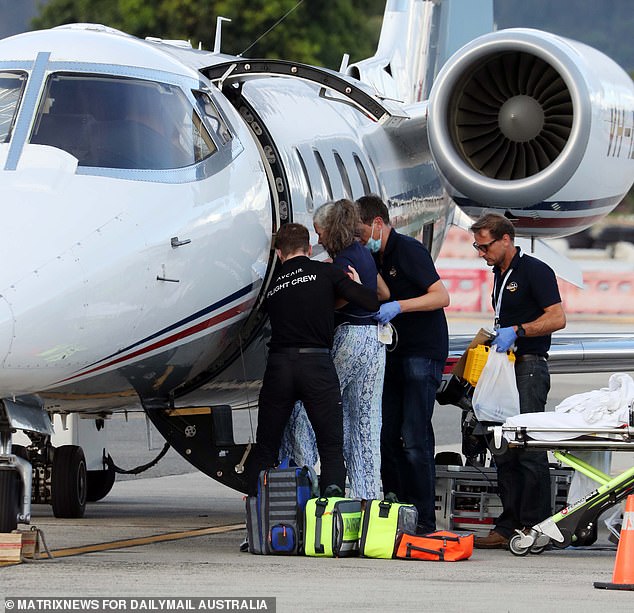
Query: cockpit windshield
<point x="11" y="87"/>
<point x="116" y="122"/>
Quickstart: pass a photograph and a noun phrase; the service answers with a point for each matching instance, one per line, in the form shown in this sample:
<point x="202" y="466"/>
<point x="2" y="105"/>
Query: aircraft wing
<point x="575" y="353"/>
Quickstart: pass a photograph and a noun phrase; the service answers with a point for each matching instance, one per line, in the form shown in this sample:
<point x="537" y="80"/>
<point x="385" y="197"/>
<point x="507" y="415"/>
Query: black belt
<point x="530" y="357"/>
<point x="300" y="350"/>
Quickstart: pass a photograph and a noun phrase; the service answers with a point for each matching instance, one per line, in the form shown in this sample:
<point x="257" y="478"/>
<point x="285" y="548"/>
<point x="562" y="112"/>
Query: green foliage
<point x="322" y="31"/>
<point x="312" y="32"/>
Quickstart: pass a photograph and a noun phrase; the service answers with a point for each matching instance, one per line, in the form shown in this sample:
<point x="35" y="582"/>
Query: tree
<point x="312" y="32"/>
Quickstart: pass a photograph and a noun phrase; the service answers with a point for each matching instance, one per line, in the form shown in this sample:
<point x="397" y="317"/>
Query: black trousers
<point x="523" y="474"/>
<point x="311" y="378"/>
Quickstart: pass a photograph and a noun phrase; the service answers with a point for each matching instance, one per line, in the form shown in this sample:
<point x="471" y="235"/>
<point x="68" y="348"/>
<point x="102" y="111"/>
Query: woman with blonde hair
<point x="359" y="358"/>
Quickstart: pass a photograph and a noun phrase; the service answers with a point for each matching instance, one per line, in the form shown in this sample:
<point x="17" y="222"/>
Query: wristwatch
<point x="520" y="330"/>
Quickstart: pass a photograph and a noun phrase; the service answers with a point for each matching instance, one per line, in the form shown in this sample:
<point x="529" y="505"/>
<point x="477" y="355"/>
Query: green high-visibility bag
<point x="332" y="527"/>
<point x="382" y="522"/>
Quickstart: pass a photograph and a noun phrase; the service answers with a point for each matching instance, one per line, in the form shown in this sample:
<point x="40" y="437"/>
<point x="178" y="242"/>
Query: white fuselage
<point x="128" y="277"/>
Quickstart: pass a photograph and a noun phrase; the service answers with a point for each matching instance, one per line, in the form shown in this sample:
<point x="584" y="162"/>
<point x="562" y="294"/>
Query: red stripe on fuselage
<point x="166" y="341"/>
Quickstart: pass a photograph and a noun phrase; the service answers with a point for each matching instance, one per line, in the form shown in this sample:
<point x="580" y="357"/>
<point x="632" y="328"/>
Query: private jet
<point x="143" y="181"/>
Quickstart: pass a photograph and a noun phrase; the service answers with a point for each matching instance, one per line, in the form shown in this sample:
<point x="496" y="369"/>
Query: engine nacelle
<point x="535" y="125"/>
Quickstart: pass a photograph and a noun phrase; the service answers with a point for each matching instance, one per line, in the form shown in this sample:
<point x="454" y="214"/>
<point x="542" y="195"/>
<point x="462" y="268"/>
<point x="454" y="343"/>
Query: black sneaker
<point x="244" y="546"/>
<point x="333" y="491"/>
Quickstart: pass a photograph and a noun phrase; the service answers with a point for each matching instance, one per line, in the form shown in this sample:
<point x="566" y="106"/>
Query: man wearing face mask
<point x="413" y="369"/>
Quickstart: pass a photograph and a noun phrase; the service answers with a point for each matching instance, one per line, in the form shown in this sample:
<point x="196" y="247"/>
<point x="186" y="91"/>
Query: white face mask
<point x="374" y="244"/>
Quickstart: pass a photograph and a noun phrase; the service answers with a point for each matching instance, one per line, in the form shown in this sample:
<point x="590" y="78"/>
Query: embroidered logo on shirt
<point x="392" y="272"/>
<point x="512" y="286"/>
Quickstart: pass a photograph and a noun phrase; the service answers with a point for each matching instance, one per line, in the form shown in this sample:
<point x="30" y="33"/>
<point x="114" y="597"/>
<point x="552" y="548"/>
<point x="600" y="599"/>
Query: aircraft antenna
<point x="218" y="38"/>
<point x="282" y="18"/>
<point x="344" y="63"/>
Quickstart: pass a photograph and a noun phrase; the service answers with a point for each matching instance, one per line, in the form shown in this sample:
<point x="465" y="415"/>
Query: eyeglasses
<point x="484" y="247"/>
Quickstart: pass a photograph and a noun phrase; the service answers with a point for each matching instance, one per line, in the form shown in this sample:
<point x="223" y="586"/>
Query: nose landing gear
<point x="68" y="481"/>
<point x="41" y="473"/>
<point x="10" y="490"/>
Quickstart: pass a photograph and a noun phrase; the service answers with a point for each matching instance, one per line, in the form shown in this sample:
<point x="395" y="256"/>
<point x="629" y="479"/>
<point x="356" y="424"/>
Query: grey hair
<point x="339" y="221"/>
<point x="320" y="216"/>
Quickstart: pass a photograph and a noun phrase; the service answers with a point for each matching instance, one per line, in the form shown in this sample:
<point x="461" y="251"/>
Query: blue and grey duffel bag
<point x="275" y="516"/>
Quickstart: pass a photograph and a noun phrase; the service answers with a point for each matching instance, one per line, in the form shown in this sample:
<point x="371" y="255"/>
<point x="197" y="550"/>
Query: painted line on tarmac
<point x="135" y="542"/>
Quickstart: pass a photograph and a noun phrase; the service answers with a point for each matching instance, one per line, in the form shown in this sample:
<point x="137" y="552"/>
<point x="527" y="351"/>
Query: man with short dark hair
<point x="413" y="370"/>
<point x="301" y="304"/>
<point x="528" y="310"/>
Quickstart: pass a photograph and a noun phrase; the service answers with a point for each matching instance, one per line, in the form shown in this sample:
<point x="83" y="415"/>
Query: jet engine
<point x="535" y="126"/>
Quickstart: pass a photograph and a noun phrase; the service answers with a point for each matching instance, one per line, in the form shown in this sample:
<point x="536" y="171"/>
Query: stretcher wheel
<point x="515" y="548"/>
<point x="537" y="550"/>
<point x="567" y="539"/>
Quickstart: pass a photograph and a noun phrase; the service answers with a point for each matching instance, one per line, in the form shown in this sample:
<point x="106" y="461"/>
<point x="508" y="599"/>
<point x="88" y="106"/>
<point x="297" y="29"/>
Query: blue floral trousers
<point x="359" y="359"/>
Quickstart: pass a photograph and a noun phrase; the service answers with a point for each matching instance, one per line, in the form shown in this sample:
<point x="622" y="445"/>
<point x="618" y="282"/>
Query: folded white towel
<point x="605" y="408"/>
<point x="609" y="403"/>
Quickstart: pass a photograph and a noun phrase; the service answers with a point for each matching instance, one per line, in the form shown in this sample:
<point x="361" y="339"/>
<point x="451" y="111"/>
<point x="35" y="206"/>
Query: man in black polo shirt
<point x="528" y="310"/>
<point x="301" y="304"/>
<point x="413" y="370"/>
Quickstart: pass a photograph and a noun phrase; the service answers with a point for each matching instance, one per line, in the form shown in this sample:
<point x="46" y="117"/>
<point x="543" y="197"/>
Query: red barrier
<point x="604" y="293"/>
<point x="470" y="288"/>
<point x="466" y="289"/>
<point x="458" y="244"/>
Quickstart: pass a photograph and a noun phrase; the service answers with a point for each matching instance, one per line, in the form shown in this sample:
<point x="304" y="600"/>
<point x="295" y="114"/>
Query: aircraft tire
<point x="21" y="452"/>
<point x="100" y="483"/>
<point x="69" y="482"/>
<point x="9" y="497"/>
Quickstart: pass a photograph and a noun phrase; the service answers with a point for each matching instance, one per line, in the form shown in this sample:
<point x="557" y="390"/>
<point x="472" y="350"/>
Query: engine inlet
<point x="511" y="116"/>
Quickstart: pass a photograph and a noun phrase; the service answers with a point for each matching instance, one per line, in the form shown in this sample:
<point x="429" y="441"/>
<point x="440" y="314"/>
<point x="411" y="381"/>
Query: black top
<point x="360" y="258"/>
<point x="301" y="302"/>
<point x="530" y="288"/>
<point x="409" y="271"/>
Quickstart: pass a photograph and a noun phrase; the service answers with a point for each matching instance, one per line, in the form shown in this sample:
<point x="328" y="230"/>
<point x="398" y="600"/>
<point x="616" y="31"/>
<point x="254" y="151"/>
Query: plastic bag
<point x="580" y="485"/>
<point x="613" y="519"/>
<point x="495" y="397"/>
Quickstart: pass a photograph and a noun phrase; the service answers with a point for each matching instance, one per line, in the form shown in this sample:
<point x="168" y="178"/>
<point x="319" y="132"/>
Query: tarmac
<point x="178" y="536"/>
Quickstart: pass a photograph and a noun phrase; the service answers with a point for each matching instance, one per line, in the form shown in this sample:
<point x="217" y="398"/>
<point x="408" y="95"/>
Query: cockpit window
<point x="114" y="122"/>
<point x="215" y="120"/>
<point x="11" y="88"/>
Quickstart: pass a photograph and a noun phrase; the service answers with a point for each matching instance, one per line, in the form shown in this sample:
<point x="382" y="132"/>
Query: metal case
<point x="467" y="497"/>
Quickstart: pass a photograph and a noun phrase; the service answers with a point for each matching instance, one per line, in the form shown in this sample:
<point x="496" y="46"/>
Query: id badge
<point x="384" y="332"/>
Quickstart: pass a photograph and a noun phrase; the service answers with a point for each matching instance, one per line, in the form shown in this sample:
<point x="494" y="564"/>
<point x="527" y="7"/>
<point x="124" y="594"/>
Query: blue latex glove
<point x="388" y="311"/>
<point x="504" y="339"/>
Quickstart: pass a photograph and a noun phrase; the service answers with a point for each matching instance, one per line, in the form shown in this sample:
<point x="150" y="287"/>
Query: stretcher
<point x="575" y="524"/>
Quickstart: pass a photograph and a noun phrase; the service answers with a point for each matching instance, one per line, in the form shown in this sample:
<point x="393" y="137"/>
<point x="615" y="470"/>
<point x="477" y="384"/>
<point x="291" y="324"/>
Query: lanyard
<point x="498" y="301"/>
